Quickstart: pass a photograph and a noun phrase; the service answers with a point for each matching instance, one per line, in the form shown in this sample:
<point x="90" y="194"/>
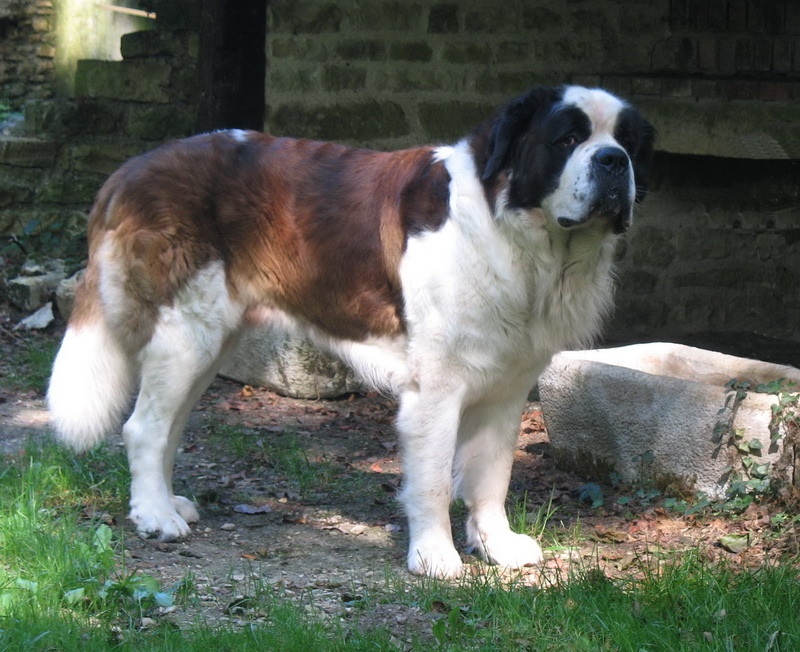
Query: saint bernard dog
<point x="445" y="275"/>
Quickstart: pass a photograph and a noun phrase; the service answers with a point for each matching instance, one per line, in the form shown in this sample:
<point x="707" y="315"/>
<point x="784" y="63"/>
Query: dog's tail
<point x="93" y="374"/>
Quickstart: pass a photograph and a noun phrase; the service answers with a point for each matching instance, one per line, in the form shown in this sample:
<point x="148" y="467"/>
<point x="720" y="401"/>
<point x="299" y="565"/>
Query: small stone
<point x="39" y="320"/>
<point x="227" y="527"/>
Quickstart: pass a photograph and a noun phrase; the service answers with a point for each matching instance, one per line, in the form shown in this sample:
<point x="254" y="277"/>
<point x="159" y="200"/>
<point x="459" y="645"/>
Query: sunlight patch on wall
<point x="87" y="29"/>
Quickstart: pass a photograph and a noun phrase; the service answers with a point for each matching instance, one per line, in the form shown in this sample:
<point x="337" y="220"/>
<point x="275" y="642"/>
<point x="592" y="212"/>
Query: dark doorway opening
<point x="232" y="64"/>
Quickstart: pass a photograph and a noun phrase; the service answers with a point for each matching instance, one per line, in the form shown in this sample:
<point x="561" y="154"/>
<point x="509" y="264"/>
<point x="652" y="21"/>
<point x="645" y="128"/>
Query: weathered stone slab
<point x="289" y="365"/>
<point x="667" y="410"/>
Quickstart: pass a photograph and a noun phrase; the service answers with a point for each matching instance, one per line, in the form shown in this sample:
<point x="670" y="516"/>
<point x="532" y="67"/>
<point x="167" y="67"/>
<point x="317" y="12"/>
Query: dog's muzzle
<point x="612" y="197"/>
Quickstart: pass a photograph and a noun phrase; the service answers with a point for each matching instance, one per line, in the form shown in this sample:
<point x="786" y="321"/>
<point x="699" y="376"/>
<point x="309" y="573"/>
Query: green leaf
<point x="163" y="599"/>
<point x="148" y="584"/>
<point x="735" y="543"/>
<point x="754" y="446"/>
<point x="102" y="538"/>
<point x="74" y="596"/>
<point x="760" y="470"/>
<point x="28" y="585"/>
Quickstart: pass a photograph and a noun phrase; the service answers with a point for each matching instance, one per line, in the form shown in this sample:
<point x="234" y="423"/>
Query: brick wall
<point x="388" y="73"/>
<point x="714" y="248"/>
<point x="27" y="51"/>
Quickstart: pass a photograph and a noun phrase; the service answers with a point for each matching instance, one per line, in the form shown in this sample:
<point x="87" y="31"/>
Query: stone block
<point x="368" y="48"/>
<point x="304" y="16"/>
<point x="664" y="411"/>
<point x="28" y="152"/>
<point x="292" y="79"/>
<point x="490" y="20"/>
<point x="33" y="288"/>
<point x="467" y="52"/>
<point x="412" y="79"/>
<point x="71" y="117"/>
<point x="155" y="43"/>
<point x="289" y="365"/>
<point x="451" y="120"/>
<point x="343" y="78"/>
<point x="72" y="189"/>
<point x="443" y="19"/>
<point x="101" y="158"/>
<point x="510" y="84"/>
<point x="410" y="51"/>
<point x="135" y="81"/>
<point x="297" y="47"/>
<point x="16" y="188"/>
<point x="158" y="122"/>
<point x="356" y="121"/>
<point x="541" y="18"/>
<point x="391" y="16"/>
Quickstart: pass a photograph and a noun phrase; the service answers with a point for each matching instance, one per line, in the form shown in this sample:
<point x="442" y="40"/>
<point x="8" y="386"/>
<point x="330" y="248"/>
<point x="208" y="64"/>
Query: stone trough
<point x="668" y="412"/>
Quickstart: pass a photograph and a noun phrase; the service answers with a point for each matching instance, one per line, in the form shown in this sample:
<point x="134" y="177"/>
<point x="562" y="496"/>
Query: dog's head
<point x="579" y="155"/>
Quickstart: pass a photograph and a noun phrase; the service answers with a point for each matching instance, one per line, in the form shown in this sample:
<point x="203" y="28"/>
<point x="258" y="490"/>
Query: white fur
<point x="489" y="300"/>
<point x="90" y="386"/>
<point x="191" y="338"/>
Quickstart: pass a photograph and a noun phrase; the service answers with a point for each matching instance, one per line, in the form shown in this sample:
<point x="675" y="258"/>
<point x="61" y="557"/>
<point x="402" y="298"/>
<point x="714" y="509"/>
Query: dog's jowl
<point x="447" y="275"/>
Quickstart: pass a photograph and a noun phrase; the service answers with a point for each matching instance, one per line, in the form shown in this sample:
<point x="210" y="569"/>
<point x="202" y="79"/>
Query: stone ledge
<point x="734" y="129"/>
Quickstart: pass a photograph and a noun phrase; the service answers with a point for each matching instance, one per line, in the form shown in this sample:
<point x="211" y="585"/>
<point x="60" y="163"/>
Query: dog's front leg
<point x="428" y="427"/>
<point x="484" y="455"/>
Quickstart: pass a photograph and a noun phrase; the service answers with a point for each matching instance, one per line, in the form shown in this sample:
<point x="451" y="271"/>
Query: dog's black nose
<point x="612" y="159"/>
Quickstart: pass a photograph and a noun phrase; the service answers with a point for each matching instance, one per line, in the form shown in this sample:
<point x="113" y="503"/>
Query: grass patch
<point x="686" y="605"/>
<point x="64" y="585"/>
<point x="31" y="364"/>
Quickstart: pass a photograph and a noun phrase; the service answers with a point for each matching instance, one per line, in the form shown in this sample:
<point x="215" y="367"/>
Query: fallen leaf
<point x="735" y="543"/>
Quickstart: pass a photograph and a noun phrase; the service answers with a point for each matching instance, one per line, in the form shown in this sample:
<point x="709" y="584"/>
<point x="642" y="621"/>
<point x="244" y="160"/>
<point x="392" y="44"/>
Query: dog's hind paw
<point x="164" y="525"/>
<point x="440" y="561"/>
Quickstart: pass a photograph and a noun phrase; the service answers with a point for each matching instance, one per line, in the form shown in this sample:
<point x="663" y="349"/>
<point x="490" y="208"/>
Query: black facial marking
<point x="636" y="135"/>
<point x="532" y="138"/>
<point x="542" y="153"/>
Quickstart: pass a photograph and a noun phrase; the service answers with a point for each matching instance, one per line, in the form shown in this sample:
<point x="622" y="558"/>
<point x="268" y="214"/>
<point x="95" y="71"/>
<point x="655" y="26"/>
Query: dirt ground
<point x="300" y="495"/>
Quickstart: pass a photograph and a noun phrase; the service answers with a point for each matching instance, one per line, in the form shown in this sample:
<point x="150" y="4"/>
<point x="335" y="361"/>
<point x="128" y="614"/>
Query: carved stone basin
<point x="669" y="413"/>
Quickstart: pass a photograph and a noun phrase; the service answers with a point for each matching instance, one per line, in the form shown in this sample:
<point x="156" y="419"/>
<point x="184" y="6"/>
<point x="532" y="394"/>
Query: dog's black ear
<point x="637" y="136"/>
<point x="643" y="157"/>
<point x="510" y="123"/>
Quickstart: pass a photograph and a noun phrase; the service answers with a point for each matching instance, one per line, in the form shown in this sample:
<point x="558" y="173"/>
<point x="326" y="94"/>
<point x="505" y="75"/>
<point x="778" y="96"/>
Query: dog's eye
<point x="569" y="141"/>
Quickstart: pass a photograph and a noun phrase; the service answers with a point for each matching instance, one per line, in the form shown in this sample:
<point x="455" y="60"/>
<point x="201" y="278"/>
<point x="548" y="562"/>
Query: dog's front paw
<point x="186" y="508"/>
<point x="165" y="524"/>
<point x="440" y="560"/>
<point x="510" y="550"/>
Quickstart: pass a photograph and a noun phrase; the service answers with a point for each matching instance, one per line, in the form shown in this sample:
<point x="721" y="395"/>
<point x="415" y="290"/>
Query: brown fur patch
<point x="311" y="228"/>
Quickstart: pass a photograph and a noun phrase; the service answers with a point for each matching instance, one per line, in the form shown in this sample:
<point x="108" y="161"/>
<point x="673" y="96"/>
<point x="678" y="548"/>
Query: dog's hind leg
<point x="189" y="342"/>
<point x="484" y="456"/>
